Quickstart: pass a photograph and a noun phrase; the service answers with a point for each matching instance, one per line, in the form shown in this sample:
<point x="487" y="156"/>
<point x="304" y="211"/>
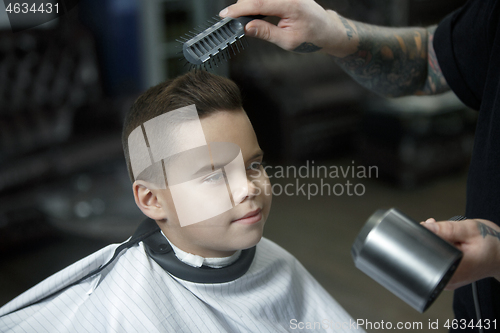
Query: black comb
<point x="216" y="43"/>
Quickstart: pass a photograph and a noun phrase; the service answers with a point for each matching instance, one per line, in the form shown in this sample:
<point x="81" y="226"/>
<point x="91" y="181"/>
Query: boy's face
<point x="227" y="232"/>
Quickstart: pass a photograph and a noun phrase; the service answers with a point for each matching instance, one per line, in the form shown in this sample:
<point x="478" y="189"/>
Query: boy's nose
<point x="242" y="193"/>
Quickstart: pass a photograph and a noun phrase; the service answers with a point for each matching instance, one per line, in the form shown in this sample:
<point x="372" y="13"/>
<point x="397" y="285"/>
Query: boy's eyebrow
<point x="208" y="167"/>
<point x="258" y="154"/>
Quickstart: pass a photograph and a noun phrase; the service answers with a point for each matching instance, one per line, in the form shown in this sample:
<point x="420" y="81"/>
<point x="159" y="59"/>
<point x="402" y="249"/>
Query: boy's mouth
<point x="251" y="217"/>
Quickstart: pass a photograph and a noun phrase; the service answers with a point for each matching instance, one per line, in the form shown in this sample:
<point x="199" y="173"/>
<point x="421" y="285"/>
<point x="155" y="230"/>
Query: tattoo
<point x="348" y="29"/>
<point x="307" y="48"/>
<point x="392" y="62"/>
<point x="436" y="83"/>
<point x="485" y="230"/>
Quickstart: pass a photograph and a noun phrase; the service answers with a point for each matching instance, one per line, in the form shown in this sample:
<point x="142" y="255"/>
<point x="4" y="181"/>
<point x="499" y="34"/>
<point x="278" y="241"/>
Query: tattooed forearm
<point x="435" y="83"/>
<point x="307" y="48"/>
<point x="485" y="231"/>
<point x="391" y="61"/>
<point x="348" y="28"/>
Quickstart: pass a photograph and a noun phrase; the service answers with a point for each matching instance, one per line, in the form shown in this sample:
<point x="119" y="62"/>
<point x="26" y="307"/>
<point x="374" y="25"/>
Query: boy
<point x="199" y="262"/>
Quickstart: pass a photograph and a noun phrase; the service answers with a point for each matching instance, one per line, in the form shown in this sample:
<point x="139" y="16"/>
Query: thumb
<point x="453" y="232"/>
<point x="266" y="31"/>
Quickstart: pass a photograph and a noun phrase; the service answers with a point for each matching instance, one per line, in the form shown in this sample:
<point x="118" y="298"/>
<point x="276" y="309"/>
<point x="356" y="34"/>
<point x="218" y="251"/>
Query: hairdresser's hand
<point x="304" y="26"/>
<point x="479" y="240"/>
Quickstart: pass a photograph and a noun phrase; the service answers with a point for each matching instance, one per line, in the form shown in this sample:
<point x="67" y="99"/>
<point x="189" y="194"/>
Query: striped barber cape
<point x="133" y="293"/>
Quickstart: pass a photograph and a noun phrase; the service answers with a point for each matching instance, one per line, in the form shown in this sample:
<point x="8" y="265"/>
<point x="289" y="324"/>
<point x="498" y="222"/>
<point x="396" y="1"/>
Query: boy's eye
<point x="254" y="166"/>
<point x="214" y="178"/>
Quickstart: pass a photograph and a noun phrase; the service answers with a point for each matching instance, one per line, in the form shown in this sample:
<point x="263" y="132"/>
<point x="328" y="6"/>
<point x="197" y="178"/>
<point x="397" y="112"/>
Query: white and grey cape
<point x="133" y="293"/>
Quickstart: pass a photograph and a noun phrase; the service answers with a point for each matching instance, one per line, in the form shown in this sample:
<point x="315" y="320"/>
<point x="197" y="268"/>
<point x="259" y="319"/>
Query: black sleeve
<point x="463" y="42"/>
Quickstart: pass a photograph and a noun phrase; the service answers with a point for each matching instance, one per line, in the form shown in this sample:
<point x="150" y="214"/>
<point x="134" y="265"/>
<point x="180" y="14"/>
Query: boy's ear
<point x="147" y="200"/>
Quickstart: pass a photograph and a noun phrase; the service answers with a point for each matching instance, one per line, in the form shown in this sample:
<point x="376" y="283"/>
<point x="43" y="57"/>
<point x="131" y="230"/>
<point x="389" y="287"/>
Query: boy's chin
<point x="250" y="241"/>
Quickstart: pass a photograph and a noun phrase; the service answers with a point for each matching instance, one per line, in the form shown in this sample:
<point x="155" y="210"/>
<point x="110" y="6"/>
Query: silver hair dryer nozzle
<point x="404" y="257"/>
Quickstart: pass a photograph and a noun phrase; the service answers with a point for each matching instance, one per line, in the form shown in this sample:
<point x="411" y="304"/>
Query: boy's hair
<point x="210" y="93"/>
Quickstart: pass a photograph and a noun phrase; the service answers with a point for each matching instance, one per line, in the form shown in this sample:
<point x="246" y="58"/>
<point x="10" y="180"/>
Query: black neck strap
<point x="159" y="249"/>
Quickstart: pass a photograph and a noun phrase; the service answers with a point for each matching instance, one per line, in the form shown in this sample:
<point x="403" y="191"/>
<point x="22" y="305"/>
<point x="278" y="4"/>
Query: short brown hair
<point x="209" y="92"/>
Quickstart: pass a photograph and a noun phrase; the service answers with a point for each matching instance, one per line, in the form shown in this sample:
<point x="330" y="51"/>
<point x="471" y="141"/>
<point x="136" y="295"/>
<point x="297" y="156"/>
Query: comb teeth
<point x="213" y="44"/>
